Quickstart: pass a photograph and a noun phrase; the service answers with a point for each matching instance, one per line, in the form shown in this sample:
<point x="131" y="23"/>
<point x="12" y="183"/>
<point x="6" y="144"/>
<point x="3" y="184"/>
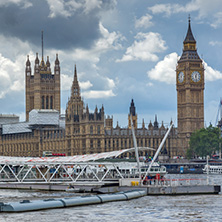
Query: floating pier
<point x="29" y="205"/>
<point x="125" y="193"/>
<point x="152" y="187"/>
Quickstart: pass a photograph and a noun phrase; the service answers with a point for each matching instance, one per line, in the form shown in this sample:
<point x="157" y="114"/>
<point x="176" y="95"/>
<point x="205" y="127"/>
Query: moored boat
<point x="212" y="169"/>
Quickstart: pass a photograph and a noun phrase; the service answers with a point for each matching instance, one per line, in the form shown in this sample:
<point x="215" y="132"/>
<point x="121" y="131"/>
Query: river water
<point x="148" y="208"/>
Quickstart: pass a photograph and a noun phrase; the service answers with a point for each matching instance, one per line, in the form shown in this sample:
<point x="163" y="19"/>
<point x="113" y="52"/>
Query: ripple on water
<point x="149" y="208"/>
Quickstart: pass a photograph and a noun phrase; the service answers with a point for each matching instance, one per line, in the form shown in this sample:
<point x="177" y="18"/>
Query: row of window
<point x="17" y="136"/>
<point x="47" y="102"/>
<point x="140" y="143"/>
<point x="53" y="134"/>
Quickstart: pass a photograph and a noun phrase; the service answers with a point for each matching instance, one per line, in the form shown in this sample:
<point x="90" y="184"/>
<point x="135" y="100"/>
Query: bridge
<point x="94" y="168"/>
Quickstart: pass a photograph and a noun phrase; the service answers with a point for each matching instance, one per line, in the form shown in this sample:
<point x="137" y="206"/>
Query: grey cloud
<point x="77" y="30"/>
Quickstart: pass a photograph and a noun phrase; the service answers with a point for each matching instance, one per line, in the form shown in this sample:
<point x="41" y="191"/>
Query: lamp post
<point x="207" y="169"/>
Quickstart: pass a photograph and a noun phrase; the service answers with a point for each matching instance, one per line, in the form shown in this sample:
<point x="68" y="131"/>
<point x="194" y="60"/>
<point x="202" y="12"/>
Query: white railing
<point x="176" y="182"/>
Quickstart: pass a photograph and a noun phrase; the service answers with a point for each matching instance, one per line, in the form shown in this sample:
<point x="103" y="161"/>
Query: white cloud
<point x="211" y="74"/>
<point x="111" y="84"/>
<point x="149" y="84"/>
<point x="23" y="3"/>
<point x="85" y="85"/>
<point x="169" y="9"/>
<point x="145" y="47"/>
<point x="217" y="21"/>
<point x="204" y="9"/>
<point x="69" y="7"/>
<point x="144" y="21"/>
<point x="91" y="5"/>
<point x="96" y="94"/>
<point x="215" y="43"/>
<point x="10" y="75"/>
<point x="57" y="8"/>
<point x="108" y="41"/>
<point x="164" y="71"/>
<point x="66" y="83"/>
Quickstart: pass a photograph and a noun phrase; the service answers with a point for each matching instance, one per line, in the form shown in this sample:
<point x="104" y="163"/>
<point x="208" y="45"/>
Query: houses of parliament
<point x="79" y="131"/>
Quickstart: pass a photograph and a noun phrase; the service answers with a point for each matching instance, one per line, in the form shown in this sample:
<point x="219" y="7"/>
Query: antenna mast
<point x="42" y="47"/>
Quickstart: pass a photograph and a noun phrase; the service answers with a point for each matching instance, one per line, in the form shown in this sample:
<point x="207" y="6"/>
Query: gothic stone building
<point x="42" y="88"/>
<point x="190" y="91"/>
<point x="82" y="132"/>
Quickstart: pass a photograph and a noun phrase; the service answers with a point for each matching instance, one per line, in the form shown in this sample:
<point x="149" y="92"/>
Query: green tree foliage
<point x="204" y="142"/>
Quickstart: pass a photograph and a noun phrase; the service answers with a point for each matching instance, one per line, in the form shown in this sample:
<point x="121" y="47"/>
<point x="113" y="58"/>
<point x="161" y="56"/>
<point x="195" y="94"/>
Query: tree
<point x="204" y="142"/>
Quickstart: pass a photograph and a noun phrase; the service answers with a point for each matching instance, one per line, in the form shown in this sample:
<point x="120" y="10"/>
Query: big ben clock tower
<point x="190" y="92"/>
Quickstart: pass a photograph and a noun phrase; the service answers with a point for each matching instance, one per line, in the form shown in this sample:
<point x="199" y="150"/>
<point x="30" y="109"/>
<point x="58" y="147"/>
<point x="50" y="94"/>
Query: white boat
<point x="212" y="169"/>
<point x="154" y="170"/>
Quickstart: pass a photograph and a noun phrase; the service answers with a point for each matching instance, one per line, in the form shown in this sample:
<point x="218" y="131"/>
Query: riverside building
<point x="82" y="132"/>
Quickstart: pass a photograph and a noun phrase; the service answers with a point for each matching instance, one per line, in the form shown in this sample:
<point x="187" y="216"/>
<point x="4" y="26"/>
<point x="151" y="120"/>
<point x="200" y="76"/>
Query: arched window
<point x="47" y="102"/>
<point x="98" y="129"/>
<point x="51" y="102"/>
<point x="43" y="100"/>
<point x="91" y="130"/>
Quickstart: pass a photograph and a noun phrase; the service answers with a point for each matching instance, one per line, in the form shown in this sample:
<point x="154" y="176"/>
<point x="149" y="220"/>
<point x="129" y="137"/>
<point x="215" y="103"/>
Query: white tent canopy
<point x="8" y="160"/>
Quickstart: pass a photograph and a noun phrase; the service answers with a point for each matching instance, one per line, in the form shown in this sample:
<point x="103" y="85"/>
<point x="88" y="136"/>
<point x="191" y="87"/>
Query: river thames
<point x="148" y="208"/>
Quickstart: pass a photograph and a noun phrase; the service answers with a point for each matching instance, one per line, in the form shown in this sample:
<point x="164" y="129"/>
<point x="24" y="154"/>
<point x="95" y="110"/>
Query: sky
<point x="123" y="50"/>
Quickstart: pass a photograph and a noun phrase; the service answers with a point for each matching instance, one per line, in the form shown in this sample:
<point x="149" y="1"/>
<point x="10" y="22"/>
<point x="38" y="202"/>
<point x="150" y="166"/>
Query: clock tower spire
<point x="190" y="91"/>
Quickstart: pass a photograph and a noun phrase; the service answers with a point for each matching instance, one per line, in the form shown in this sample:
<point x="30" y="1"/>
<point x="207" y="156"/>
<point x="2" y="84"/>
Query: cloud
<point x="144" y="47"/>
<point x="66" y="24"/>
<point x="149" y="84"/>
<point x="144" y="21"/>
<point x="217" y="21"/>
<point x="69" y="7"/>
<point x="91" y="5"/>
<point x="85" y="85"/>
<point x="108" y="41"/>
<point x="97" y="94"/>
<point x="164" y="71"/>
<point x="21" y="3"/>
<point x="11" y="80"/>
<point x="66" y="83"/>
<point x="61" y="8"/>
<point x="204" y="9"/>
<point x="215" y="43"/>
<point x="12" y="69"/>
<point x="211" y="74"/>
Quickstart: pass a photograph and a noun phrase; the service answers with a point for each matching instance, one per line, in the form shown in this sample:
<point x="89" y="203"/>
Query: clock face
<point x="195" y="76"/>
<point x="181" y="77"/>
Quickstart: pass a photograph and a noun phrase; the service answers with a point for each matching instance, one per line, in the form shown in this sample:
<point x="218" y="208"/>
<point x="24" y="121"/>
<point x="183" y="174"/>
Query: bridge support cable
<point x="157" y="152"/>
<point x="136" y="149"/>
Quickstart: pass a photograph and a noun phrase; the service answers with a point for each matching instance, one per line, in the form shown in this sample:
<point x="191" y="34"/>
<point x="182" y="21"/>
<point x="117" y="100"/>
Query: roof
<point x="68" y="159"/>
<point x="189" y="37"/>
<point x="36" y="117"/>
<point x="8" y="118"/>
<point x="189" y="55"/>
<point x="44" y="117"/>
<point x="21" y="127"/>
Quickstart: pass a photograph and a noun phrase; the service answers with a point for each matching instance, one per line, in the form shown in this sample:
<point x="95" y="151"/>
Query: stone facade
<point x="42" y="88"/>
<point x="82" y="132"/>
<point x="190" y="92"/>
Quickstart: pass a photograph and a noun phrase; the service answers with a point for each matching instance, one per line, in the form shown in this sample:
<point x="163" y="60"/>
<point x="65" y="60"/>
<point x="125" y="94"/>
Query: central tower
<point x="190" y="92"/>
<point x="42" y="87"/>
